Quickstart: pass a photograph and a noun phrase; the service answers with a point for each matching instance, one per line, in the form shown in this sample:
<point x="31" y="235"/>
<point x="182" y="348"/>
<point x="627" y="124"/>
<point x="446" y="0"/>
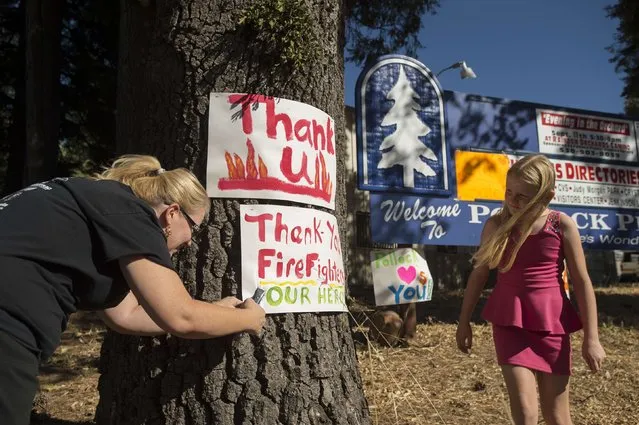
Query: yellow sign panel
<point x="481" y="175"/>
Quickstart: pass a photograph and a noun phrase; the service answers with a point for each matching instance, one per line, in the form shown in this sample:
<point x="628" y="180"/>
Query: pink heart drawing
<point x="407" y="274"/>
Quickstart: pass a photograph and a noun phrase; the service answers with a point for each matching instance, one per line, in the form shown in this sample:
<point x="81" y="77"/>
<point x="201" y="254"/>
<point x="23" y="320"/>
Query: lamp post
<point x="465" y="72"/>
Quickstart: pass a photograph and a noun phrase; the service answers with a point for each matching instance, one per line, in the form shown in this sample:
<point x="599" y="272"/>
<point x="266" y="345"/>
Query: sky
<point x="543" y="51"/>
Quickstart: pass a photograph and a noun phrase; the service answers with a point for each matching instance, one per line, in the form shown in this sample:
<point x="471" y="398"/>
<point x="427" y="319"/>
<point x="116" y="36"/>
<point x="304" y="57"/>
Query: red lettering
<point x="261" y="220"/>
<point x="570" y="171"/>
<point x="318" y="132"/>
<point x="558" y="170"/>
<point x="299" y="266"/>
<point x="245" y="100"/>
<point x="289" y="264"/>
<point x="310" y="262"/>
<point x="622" y="176"/>
<point x="279" y="228"/>
<point x="295" y="234"/>
<point x="303" y="136"/>
<point x="272" y="119"/>
<point x="279" y="266"/>
<point x="286" y="166"/>
<point x="329" y="137"/>
<point x="582" y="172"/>
<point x="263" y="262"/>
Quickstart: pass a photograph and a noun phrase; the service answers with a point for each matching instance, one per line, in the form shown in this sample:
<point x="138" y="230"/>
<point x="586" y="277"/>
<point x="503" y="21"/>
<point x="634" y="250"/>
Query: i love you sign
<point x="400" y="276"/>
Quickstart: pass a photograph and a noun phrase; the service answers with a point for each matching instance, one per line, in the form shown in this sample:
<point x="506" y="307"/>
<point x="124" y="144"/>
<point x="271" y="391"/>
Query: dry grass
<point x="431" y="382"/>
<point x="428" y="382"/>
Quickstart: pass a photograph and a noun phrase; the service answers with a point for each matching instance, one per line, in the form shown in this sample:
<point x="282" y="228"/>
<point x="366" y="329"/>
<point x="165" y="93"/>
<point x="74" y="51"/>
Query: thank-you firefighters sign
<point x="295" y="255"/>
<point x="269" y="148"/>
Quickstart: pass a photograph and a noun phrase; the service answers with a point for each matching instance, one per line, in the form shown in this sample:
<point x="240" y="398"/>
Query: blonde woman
<point x="531" y="316"/>
<point x="100" y="244"/>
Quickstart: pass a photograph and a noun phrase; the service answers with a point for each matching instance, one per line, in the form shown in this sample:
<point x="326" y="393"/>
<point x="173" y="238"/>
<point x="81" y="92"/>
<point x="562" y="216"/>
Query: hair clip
<point x="159" y="171"/>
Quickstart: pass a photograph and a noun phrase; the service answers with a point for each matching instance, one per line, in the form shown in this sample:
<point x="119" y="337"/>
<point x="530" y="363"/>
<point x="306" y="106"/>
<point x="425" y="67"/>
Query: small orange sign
<point x="481" y="175"/>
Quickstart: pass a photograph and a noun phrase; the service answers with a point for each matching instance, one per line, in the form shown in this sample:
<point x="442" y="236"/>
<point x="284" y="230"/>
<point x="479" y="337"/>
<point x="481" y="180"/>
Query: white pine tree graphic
<point x="403" y="146"/>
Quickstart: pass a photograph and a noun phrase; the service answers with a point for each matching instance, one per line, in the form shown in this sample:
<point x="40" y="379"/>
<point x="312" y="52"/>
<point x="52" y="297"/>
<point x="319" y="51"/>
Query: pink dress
<point x="531" y="315"/>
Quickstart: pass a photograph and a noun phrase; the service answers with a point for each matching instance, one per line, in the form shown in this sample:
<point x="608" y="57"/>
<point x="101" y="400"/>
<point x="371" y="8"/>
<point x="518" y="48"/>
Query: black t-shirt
<point x="59" y="245"/>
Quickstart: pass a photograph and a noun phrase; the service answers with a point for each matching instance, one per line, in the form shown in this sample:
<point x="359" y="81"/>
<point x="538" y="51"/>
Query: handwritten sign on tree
<point x="270" y="148"/>
<point x="400" y="277"/>
<point x="295" y="255"/>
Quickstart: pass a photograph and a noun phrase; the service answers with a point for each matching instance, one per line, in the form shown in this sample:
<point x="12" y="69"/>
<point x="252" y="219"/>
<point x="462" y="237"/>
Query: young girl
<point x="530" y="314"/>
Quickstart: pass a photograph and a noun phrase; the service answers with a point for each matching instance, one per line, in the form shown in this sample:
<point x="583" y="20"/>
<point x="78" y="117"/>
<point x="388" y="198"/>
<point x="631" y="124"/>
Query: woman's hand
<point x="464" y="337"/>
<point x="230" y="302"/>
<point x="593" y="353"/>
<point x="258" y="315"/>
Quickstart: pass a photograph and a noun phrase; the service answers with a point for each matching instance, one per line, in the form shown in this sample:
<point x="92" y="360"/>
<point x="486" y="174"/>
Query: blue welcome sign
<point x="401" y="131"/>
<point x="406" y="219"/>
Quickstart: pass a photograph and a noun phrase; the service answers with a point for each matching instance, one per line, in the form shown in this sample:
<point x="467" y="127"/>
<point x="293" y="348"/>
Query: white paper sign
<point x="591" y="184"/>
<point x="586" y="135"/>
<point x="270" y="148"/>
<point x="596" y="184"/>
<point x="295" y="255"/>
<point x="400" y="277"/>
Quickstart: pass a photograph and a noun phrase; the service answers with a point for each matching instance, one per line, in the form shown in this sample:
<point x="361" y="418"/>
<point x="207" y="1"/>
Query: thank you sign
<point x="270" y="148"/>
<point x="295" y="256"/>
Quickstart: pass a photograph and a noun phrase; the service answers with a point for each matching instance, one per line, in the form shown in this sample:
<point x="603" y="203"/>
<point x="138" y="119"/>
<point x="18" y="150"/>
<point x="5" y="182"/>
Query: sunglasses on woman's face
<point x="195" y="228"/>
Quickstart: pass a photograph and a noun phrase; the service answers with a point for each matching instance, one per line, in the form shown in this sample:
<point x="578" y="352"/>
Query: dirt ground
<point x="427" y="382"/>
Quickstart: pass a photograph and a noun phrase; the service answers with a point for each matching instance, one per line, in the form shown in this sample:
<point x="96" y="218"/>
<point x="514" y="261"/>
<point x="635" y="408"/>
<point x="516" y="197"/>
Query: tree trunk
<point x="303" y="368"/>
<point x="17" y="132"/>
<point x="43" y="59"/>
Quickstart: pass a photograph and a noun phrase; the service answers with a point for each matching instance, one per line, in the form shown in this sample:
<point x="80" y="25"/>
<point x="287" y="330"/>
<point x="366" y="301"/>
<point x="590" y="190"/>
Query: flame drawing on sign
<point x="236" y="168"/>
<point x="250" y="175"/>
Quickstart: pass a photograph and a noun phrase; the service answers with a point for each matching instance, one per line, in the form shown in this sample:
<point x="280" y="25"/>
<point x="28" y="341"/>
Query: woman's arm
<point x="474" y="286"/>
<point x="167" y="304"/>
<point x="130" y="318"/>
<point x="592" y="351"/>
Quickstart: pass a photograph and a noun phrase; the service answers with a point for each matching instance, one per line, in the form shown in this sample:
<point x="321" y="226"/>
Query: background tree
<point x="625" y="50"/>
<point x="88" y="84"/>
<point x="42" y="88"/>
<point x="378" y="27"/>
<point x="82" y="84"/>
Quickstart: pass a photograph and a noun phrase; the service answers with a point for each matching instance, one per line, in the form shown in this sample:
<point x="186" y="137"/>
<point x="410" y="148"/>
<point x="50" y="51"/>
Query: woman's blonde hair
<point x="537" y="171"/>
<point x="150" y="182"/>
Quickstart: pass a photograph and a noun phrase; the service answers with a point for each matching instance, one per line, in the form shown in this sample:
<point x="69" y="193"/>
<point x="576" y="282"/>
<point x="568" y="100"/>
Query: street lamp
<point x="465" y="72"/>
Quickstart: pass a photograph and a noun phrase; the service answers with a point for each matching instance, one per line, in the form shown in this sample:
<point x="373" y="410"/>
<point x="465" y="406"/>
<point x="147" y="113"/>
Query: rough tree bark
<point x="303" y="368"/>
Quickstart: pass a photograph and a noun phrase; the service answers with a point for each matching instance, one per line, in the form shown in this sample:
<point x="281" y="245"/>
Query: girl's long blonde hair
<point x="150" y="182"/>
<point x="537" y="171"/>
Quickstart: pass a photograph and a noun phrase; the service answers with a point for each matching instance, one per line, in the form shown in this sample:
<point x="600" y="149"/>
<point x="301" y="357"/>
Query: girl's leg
<point x="522" y="392"/>
<point x="553" y="395"/>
